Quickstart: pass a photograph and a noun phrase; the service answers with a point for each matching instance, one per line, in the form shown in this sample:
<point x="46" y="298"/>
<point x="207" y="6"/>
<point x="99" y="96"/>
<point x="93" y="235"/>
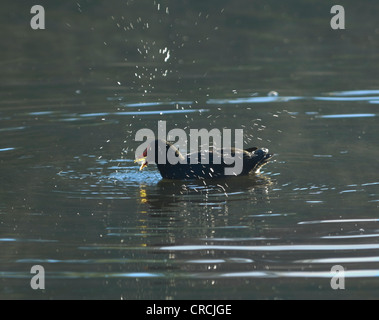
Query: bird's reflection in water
<point x="171" y="211"/>
<point x="168" y="195"/>
<point x="142" y="193"/>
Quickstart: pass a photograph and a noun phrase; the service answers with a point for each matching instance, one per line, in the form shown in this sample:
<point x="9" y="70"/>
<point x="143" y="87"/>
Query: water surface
<point x="72" y="198"/>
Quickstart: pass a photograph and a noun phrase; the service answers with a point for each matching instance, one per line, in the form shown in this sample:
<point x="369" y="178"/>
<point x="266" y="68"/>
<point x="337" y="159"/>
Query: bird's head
<point x="156" y="152"/>
<point x="143" y="160"/>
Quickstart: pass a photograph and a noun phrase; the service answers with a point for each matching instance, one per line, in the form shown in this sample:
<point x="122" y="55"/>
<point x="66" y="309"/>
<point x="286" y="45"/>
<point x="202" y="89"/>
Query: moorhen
<point x="185" y="168"/>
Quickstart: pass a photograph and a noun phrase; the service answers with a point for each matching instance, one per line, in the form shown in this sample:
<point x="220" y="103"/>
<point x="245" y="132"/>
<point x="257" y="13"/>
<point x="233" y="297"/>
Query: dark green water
<point x="73" y="201"/>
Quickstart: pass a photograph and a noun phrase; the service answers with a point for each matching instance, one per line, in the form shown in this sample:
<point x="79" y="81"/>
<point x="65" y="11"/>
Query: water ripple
<point x="338" y="221"/>
<point x="309" y="247"/>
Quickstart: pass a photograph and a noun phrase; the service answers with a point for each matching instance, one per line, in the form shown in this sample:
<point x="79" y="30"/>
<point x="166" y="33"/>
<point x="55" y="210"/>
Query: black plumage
<point x="199" y="166"/>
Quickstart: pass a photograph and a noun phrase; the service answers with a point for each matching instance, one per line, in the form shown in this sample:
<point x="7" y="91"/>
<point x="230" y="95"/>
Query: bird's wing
<point x="251" y="149"/>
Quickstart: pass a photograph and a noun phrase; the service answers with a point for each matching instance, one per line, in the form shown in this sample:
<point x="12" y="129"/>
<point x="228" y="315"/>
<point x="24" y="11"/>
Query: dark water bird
<point x="211" y="164"/>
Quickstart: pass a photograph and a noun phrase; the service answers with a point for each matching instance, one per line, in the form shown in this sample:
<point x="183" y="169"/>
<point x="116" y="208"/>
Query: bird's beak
<point x="143" y="161"/>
